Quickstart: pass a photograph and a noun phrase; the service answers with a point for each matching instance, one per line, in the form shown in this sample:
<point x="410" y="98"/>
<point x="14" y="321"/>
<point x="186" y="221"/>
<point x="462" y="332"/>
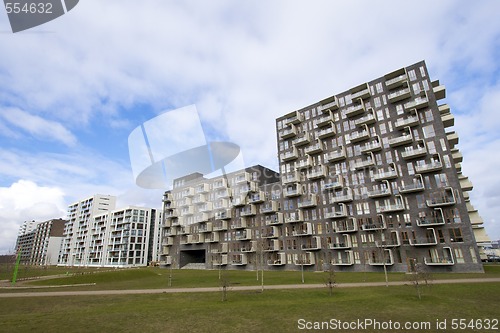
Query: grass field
<point x="271" y="311"/>
<point x="246" y="311"/>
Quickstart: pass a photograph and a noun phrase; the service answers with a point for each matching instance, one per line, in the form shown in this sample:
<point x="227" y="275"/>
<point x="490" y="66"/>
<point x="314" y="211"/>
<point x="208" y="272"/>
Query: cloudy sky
<point x="72" y="90"/>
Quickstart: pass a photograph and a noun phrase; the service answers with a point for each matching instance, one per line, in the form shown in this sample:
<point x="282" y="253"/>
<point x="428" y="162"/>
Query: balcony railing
<point x="396" y="82"/>
<point x="419" y="102"/>
<point x="325" y="133"/>
<point x="288" y="133"/>
<point x="355" y="110"/>
<point x="304" y="139"/>
<point x="429" y="167"/>
<point x="314" y="149"/>
<point x="359" y="136"/>
<point x="401" y="140"/>
<point x="409" y="121"/>
<point x="413" y="152"/>
<point x="414" y="187"/>
<point x="379" y="192"/>
<point x="399" y="95"/>
<point x="336" y="155"/>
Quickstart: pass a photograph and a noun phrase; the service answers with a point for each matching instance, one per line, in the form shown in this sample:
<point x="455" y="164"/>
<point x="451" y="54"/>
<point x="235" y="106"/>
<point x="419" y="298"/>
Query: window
<point x="416" y="88"/>
<point x="429" y="131"/>
<point x="379" y="87"/>
<point x="383" y="129"/>
<point x="411" y="171"/>
<point x="380" y="115"/>
<point x="377" y="102"/>
<point x="412" y="75"/>
<point x="422" y="71"/>
<point x="456" y="235"/>
<point x="431" y="147"/>
<point x="459" y="256"/>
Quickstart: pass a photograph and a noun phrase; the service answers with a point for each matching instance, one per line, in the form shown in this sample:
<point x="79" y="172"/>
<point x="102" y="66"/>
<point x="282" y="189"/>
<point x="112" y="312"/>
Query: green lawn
<point x="153" y="278"/>
<point x="271" y="311"/>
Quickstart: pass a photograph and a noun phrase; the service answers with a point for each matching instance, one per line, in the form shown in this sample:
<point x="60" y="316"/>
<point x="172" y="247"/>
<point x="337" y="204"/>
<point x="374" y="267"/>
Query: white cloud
<point x="244" y="64"/>
<point x="23" y="201"/>
<point x="38" y="126"/>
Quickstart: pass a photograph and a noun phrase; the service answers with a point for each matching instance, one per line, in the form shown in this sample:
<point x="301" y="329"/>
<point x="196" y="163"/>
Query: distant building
<point x="39" y="243"/>
<point x="369" y="178"/>
<point x="99" y="235"/>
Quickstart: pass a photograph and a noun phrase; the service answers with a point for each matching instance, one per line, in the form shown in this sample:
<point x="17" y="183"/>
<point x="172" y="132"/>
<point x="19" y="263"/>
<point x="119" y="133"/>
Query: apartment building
<point x="370" y="178"/>
<point x="77" y="231"/>
<point x="39" y="242"/>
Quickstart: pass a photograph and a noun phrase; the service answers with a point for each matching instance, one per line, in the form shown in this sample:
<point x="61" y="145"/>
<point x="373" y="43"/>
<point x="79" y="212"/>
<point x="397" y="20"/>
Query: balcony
<point x="377" y="259"/>
<point x="345" y="258"/>
<point x="305" y="259"/>
<point x="248" y="248"/>
<point x="303" y="139"/>
<point x="344" y="196"/>
<point x="239" y="259"/>
<point x="391" y="207"/>
<point x="296" y="118"/>
<point x="362" y="91"/>
<point x="326" y="133"/>
<point x="203" y="217"/>
<point x="336" y="155"/>
<point x="417" y="103"/>
<point x="401" y="140"/>
<point x="248" y="187"/>
<point x="314" y="149"/>
<point x="278" y="259"/>
<point x="304" y="229"/>
<point x="377" y="192"/>
<point x="446" y="259"/>
<point x="361" y="164"/>
<point x="206" y="227"/>
<point x="416" y="186"/>
<point x="371" y="146"/>
<point x="374" y="226"/>
<point x="341" y="243"/>
<point x="205" y="208"/>
<point x="202" y="188"/>
<point x="325" y="120"/>
<point x="292" y="191"/>
<point x="396" y="82"/>
<point x="239" y="201"/>
<point x="338" y="212"/>
<point x="184" y="202"/>
<point x="407" y="122"/>
<point x="334" y="184"/>
<point x="434" y="165"/>
<point x="448" y="120"/>
<point x="249" y="210"/>
<point x="465" y="183"/>
<point x="168" y="197"/>
<point x="355" y="110"/>
<point x="275" y="219"/>
<point x="304" y="163"/>
<point x="317" y="173"/>
<point x="269" y="207"/>
<point x="222" y="193"/>
<point x="294" y="217"/>
<point x="223" y="214"/>
<point x="242" y="178"/>
<point x="212" y="237"/>
<point x="437" y="218"/>
<point x="445" y="197"/>
<point x="271" y="232"/>
<point x="256" y="198"/>
<point x="330" y="103"/>
<point x="220" y="204"/>
<point x="199" y="198"/>
<point x="456" y="156"/>
<point x="273" y="245"/>
<point x="220" y="183"/>
<point x="452" y="138"/>
<point x="220" y="225"/>
<point x="288" y="133"/>
<point x="186" y="211"/>
<point x="428" y="239"/>
<point x="293" y="177"/>
<point x="290" y="155"/>
<point x="310" y="201"/>
<point x="399" y="95"/>
<point x="389" y="241"/>
<point x="414" y="152"/>
<point x="187" y="192"/>
<point x="359" y="135"/>
<point x="242" y="235"/>
<point x="219" y="260"/>
<point x="390" y="173"/>
<point x="240" y="223"/>
<point x="311" y="244"/>
<point x="347" y="225"/>
<point x="369" y="118"/>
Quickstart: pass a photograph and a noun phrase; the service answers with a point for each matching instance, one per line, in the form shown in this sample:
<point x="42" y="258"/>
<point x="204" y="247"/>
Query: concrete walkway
<point x="232" y="288"/>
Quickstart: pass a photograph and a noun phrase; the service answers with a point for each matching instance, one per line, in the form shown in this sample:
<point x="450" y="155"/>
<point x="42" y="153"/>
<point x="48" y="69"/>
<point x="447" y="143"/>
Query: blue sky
<point x="72" y="90"/>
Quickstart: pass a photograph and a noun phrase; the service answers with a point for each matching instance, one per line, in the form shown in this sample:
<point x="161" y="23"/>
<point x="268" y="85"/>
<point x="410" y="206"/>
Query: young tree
<point x="419" y="277"/>
<point x="330" y="280"/>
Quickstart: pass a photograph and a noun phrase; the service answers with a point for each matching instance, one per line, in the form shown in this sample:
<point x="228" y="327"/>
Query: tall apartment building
<point x="39" y="242"/>
<point x="370" y="178"/>
<point x="75" y="246"/>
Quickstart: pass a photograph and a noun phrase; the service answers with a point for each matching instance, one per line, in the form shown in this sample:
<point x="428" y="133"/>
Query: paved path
<point x="233" y="288"/>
